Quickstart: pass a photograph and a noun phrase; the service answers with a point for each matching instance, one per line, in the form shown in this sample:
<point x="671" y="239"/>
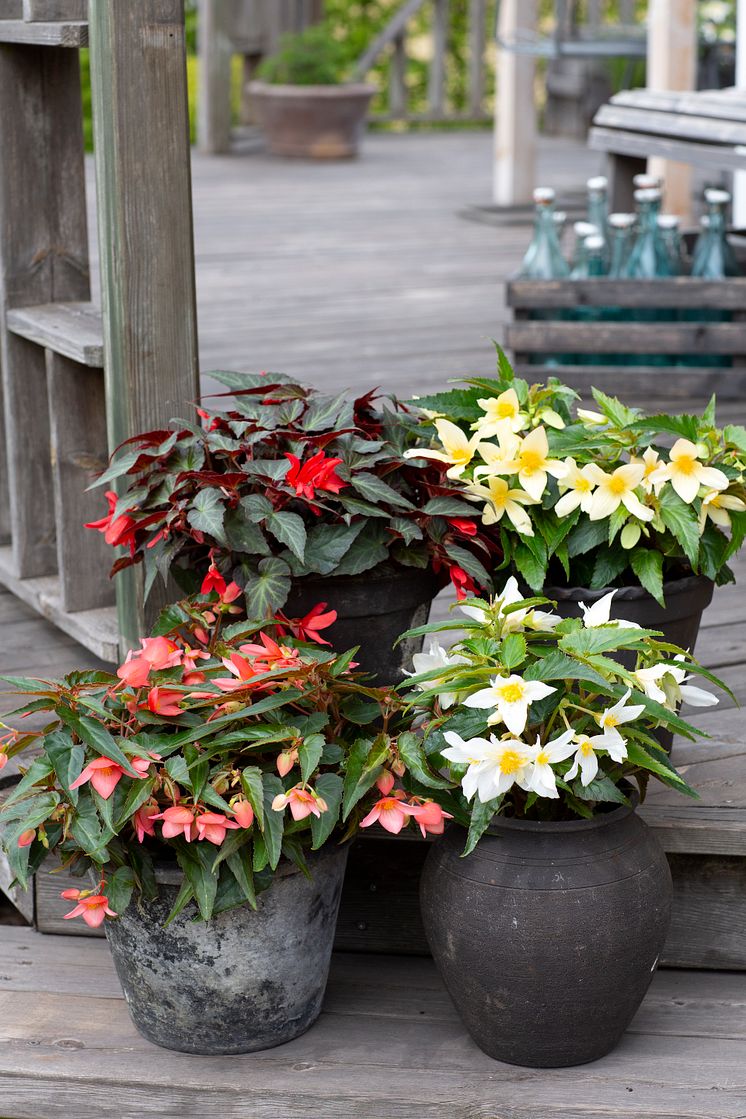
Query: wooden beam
<point x="141" y="128"/>
<point x="43" y="259"/>
<point x="215" y="31"/>
<point x="515" y="111"/>
<point x="672" y="64"/>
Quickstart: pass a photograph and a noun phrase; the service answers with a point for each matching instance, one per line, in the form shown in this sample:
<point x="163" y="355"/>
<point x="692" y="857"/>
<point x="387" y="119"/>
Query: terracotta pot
<point x="547" y="936"/>
<point x="314" y="121"/>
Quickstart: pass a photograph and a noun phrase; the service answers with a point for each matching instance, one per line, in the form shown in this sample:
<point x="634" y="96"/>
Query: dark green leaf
<point x="267" y="588"/>
<point x="207" y="514"/>
<point x="309" y="754"/>
<point x="196" y="862"/>
<point x="329" y="786"/>
<point x="481" y="816"/>
<point x="119" y="888"/>
<point x="682" y="522"/>
<point x="289" y="529"/>
<point x="327" y="544"/>
<point x="412" y="753"/>
<point x="274" y="822"/>
<point x="239" y="864"/>
<point x="647" y="565"/>
<point x="251" y="783"/>
<point x="512" y="650"/>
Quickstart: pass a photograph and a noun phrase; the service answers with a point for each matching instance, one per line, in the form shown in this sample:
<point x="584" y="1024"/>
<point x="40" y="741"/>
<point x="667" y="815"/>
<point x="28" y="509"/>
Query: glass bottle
<point x="620" y="236"/>
<point x="582" y="230"/>
<point x="598" y="204"/>
<point x="668" y="225"/>
<point x="593" y="258"/>
<point x="544" y="259"/>
<point x="648" y="258"/>
<point x="715" y="244"/>
<point x="560" y="224"/>
<point x="648" y="182"/>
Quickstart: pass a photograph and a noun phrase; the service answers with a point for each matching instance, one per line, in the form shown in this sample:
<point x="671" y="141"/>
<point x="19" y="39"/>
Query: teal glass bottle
<point x="544" y="259"/>
<point x="598" y="210"/>
<point x="620" y="237"/>
<point x="715" y="259"/>
<point x="668" y="226"/>
<point x="582" y="230"/>
<point x="648" y="259"/>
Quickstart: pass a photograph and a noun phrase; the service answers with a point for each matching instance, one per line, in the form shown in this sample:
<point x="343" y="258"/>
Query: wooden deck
<point x="360" y="274"/>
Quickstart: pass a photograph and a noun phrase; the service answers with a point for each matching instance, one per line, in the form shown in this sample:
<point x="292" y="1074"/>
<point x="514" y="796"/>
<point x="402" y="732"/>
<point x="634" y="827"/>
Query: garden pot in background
<point x="547" y="936"/>
<point x="243" y="981"/>
<point x="312" y="121"/>
<point x="373" y="610"/>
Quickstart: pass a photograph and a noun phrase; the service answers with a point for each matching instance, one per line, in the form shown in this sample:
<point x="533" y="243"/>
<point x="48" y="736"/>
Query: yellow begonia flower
<point x="503" y="411"/>
<point x="458" y="451"/>
<point x="528" y="458"/>
<point x="686" y="473"/>
<point x="577" y="488"/>
<point x="715" y="505"/>
<point x="615" y="489"/>
<point x="500" y="499"/>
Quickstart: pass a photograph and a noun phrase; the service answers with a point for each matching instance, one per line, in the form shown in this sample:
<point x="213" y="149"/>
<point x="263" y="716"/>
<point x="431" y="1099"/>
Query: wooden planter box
<point x="547" y="340"/>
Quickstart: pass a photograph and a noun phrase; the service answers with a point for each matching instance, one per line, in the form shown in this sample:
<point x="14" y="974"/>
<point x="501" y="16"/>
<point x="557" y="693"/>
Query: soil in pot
<point x="547" y="936"/>
<point x="373" y="610"/>
<point x="245" y="980"/>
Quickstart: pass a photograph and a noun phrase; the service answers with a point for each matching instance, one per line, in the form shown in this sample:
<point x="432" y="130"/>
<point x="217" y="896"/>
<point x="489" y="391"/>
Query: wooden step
<point x="47" y="34"/>
<point x="96" y="630"/>
<point x="73" y="330"/>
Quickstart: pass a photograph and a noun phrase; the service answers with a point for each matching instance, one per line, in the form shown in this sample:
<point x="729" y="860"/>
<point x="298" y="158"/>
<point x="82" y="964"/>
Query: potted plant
<point x="303" y="102"/>
<point x="207" y="788"/>
<point x="652" y="506"/>
<point x="301" y="498"/>
<point x="546" y="903"/>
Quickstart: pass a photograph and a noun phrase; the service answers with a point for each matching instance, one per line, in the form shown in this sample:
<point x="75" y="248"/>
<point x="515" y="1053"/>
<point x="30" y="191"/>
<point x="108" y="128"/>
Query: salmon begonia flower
<point x="244" y="813"/>
<point x="178" y="820"/>
<point x="160" y="652"/>
<point x="390" y="812"/>
<point x="163" y="701"/>
<point x="308" y="628"/>
<point x="92" y="909"/>
<point x="385" y="782"/>
<point x="243" y="674"/>
<point x="212" y="826"/>
<point x="135" y="671"/>
<point x="230" y="594"/>
<point x="143" y="821"/>
<point x="104" y="775"/>
<point x="318" y="473"/>
<point x="3" y="759"/>
<point x="269" y="653"/>
<point x="286" y="760"/>
<point x="26" y="838"/>
<point x="430" y="818"/>
<point x="189" y="658"/>
<point x="303" y="802"/>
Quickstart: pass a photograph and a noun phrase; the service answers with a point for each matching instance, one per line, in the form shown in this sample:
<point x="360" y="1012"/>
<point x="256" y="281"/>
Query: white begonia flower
<point x="516" y="620"/>
<point x="652" y="479"/>
<point x="458" y="451"/>
<point x="500" y="500"/>
<point x="543" y="780"/>
<point x="686" y="473"/>
<point x="598" y="614"/>
<point x="435" y="656"/>
<point x="615" y="716"/>
<point x="715" y="505"/>
<point x="501" y="412"/>
<point x="586" y="756"/>
<point x="576" y="488"/>
<point x="615" y="489"/>
<point x="528" y="458"/>
<point x="666" y="684"/>
<point x="591" y="417"/>
<point x="494" y="765"/>
<point x="509" y="697"/>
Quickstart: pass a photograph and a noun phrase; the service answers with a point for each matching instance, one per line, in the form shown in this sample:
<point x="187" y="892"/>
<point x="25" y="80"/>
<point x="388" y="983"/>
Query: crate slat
<point x="544" y="336"/>
<point x="684" y="293"/>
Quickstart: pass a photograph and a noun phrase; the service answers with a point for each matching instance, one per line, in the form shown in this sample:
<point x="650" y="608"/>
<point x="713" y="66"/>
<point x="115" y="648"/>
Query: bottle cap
<point x="668" y="221"/>
<point x="584" y="229"/>
<point x="543" y="195"/>
<point x="621" y="221"/>
<point x="560" y="217"/>
<point x="647" y="194"/>
<point x="594" y="243"/>
<point x="647" y="182"/>
<point x="717" y="197"/>
<point x="598" y="183"/>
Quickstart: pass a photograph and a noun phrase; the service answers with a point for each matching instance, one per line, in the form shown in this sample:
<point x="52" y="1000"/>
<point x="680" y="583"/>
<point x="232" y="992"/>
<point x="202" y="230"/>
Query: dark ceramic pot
<point x="373" y="610"/>
<point x="679" y="620"/>
<point x="547" y="936"/>
<point x="312" y="121"/>
<point x="243" y="981"/>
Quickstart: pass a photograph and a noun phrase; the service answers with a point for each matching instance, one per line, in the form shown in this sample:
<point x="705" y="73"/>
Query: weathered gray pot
<point x="373" y="610"/>
<point x="312" y="121"/>
<point x="547" y="936"/>
<point x="240" y="982"/>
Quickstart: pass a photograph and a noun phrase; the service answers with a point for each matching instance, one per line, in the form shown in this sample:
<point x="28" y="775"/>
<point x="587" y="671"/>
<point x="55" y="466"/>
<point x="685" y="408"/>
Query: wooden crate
<point x="545" y="340"/>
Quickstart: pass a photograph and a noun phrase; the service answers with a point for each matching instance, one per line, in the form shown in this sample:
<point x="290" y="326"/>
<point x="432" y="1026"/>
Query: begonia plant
<point x="598" y="499"/>
<point x="530" y="715"/>
<point x="221" y="747"/>
<point x="289" y="483"/>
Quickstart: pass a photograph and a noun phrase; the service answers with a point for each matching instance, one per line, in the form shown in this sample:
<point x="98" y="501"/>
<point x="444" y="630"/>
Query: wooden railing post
<point x="515" y="112"/>
<point x="215" y="26"/>
<point x="141" y="131"/>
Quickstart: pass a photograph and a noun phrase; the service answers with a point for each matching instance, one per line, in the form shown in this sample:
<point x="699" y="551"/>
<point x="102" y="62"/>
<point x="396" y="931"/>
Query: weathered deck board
<point x="388" y="1045"/>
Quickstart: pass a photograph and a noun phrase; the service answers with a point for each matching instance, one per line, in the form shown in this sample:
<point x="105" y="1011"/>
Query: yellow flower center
<point x="511" y="693"/>
<point x="617" y="485"/>
<point x="531" y="461"/>
<point x="586" y="747"/>
<point x="511" y="762"/>
<point x="461" y="456"/>
<point x="686" y="464"/>
<point x="582" y="485"/>
<point x="611" y="720"/>
<point x="650" y="467"/>
<point x="542" y="758"/>
<point x="505" y="410"/>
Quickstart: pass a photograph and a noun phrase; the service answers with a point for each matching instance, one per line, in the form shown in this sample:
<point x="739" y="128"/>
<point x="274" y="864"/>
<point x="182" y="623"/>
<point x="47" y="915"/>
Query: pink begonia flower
<point x="244" y="813"/>
<point x="243" y="673"/>
<point x="143" y="821"/>
<point x="160" y="652"/>
<point x="303" y="802"/>
<point x="104" y="775"/>
<point x="230" y="594"/>
<point x="93" y="909"/>
<point x="430" y="818"/>
<point x="26" y="838"/>
<point x="135" y="671"/>
<point x="189" y="658"/>
<point x="212" y="826"/>
<point x="286" y="760"/>
<point x="162" y="701"/>
<point x="178" y="820"/>
<point x="3" y="759"/>
<point x="390" y="812"/>
<point x="271" y="654"/>
<point x="385" y="782"/>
